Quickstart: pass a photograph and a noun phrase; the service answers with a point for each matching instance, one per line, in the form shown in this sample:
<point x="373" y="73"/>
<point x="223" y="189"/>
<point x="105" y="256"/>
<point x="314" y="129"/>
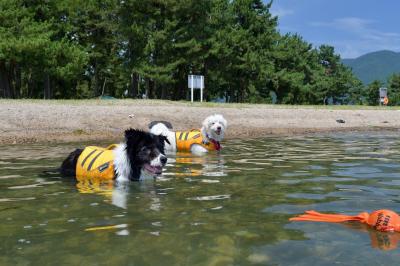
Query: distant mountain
<point x="374" y="66"/>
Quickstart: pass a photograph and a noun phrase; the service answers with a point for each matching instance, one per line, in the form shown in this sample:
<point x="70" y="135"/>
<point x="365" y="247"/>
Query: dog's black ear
<point x="131" y="134"/>
<point x="164" y="138"/>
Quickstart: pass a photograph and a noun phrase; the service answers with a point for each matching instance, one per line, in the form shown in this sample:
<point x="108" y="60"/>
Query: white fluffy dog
<point x="196" y="140"/>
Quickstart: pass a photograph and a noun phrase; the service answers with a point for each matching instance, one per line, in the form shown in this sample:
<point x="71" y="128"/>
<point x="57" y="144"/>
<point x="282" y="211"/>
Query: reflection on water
<point x="184" y="165"/>
<point x="189" y="165"/>
<point x="116" y="193"/>
<point x="379" y="240"/>
<point x="216" y="209"/>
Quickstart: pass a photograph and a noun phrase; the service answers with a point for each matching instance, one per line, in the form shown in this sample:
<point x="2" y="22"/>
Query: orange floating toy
<point x="381" y="220"/>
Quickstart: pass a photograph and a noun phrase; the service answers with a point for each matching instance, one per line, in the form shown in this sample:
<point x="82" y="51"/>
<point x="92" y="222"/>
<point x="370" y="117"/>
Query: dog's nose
<point x="218" y="128"/>
<point x="163" y="160"/>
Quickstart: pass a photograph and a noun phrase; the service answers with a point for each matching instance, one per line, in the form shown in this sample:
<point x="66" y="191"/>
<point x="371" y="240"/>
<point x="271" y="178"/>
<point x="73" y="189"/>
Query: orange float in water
<point x="381" y="220"/>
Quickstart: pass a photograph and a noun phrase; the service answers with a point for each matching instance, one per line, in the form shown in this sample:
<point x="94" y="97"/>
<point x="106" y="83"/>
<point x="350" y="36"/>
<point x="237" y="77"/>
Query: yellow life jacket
<point x="185" y="140"/>
<point x="96" y="163"/>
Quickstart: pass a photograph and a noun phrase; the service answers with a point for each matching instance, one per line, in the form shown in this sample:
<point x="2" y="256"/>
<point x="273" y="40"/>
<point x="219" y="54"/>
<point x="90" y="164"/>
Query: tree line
<point x="133" y="48"/>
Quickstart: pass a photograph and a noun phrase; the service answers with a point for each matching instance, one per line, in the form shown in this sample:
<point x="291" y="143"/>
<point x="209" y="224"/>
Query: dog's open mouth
<point x="155" y="170"/>
<point x="218" y="131"/>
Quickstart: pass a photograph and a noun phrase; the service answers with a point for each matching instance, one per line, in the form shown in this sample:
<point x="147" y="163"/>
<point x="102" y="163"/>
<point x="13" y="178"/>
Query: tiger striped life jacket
<point x="185" y="140"/>
<point x="96" y="162"/>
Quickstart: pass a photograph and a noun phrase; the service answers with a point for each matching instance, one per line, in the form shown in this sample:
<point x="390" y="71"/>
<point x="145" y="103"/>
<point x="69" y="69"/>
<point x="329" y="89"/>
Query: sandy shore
<point x="29" y="121"/>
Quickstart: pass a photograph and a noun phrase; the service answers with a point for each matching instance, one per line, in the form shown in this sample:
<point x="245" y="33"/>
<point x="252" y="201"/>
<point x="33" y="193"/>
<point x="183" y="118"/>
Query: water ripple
<point x="236" y="203"/>
<point x="207" y="198"/>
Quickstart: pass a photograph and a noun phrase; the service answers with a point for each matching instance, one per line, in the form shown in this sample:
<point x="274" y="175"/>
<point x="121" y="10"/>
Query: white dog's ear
<point x="205" y="123"/>
<point x="224" y="122"/>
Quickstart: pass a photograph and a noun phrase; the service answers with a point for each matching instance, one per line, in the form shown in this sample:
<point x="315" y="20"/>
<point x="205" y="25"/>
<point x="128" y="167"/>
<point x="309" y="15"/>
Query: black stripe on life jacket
<point x="87" y="157"/>
<point x="187" y="135"/>
<point x="94" y="159"/>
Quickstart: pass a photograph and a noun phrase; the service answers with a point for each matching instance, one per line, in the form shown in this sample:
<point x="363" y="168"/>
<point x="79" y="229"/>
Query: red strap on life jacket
<point x="217" y="145"/>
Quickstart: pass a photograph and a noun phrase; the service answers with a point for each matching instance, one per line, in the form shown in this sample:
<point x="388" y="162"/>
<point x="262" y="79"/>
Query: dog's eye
<point x="143" y="149"/>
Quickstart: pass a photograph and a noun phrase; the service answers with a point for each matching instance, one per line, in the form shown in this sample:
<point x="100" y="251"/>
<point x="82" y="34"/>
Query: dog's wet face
<point x="146" y="151"/>
<point x="215" y="126"/>
<point x="153" y="159"/>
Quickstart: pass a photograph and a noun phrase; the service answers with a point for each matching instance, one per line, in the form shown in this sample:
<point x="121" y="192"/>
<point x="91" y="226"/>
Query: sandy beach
<point x="30" y="121"/>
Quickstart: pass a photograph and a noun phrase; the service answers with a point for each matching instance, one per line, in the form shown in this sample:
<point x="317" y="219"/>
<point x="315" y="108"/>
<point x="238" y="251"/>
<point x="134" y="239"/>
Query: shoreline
<point x="60" y="121"/>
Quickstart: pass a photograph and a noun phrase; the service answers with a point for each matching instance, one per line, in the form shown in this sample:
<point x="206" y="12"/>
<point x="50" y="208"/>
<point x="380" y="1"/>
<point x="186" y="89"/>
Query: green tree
<point x="356" y="93"/>
<point x="241" y="46"/>
<point x="372" y="92"/>
<point x="94" y="25"/>
<point x="296" y="71"/>
<point x="340" y="79"/>
<point x="22" y="42"/>
<point x="76" y="48"/>
<point x="165" y="42"/>
<point x="394" y="89"/>
<point x="33" y="54"/>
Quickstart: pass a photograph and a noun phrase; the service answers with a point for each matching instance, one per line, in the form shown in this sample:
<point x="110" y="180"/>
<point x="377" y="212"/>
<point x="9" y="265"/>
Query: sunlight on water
<point x="217" y="209"/>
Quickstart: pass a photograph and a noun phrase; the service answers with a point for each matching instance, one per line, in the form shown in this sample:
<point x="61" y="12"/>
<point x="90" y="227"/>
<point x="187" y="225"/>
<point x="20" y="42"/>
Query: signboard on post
<point x="383" y="99"/>
<point x="196" y="82"/>
<point x="382" y="92"/>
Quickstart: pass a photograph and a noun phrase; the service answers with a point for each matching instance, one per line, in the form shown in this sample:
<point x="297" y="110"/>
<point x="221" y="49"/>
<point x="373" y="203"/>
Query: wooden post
<point x="191" y="86"/>
<point x="201" y="88"/>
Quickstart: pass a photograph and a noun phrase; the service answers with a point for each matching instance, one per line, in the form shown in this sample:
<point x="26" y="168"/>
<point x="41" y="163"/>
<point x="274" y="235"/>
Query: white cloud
<point x="281" y="12"/>
<point x="357" y="47"/>
<point x="352" y="23"/>
<point x="348" y="24"/>
<point x="361" y="36"/>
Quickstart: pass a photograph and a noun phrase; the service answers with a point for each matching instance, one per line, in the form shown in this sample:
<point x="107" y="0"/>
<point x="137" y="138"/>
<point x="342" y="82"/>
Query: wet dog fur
<point x="141" y="151"/>
<point x="213" y="127"/>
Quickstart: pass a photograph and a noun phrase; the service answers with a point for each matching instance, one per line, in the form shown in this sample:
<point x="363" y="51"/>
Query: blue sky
<point x="353" y="27"/>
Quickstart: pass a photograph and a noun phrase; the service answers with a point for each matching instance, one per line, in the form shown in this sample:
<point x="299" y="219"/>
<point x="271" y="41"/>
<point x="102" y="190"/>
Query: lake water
<point x="220" y="209"/>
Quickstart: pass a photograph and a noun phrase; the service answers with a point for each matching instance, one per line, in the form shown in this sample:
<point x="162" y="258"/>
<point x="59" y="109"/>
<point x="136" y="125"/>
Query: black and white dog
<point x="141" y="152"/>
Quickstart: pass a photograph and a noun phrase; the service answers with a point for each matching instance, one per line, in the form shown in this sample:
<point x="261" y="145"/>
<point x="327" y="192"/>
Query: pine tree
<point x="394" y="89"/>
<point x="372" y="92"/>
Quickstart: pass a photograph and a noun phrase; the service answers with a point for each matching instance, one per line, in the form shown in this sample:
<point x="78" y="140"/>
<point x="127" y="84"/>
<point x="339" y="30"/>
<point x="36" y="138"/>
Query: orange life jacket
<point x="96" y="162"/>
<point x="185" y="140"/>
